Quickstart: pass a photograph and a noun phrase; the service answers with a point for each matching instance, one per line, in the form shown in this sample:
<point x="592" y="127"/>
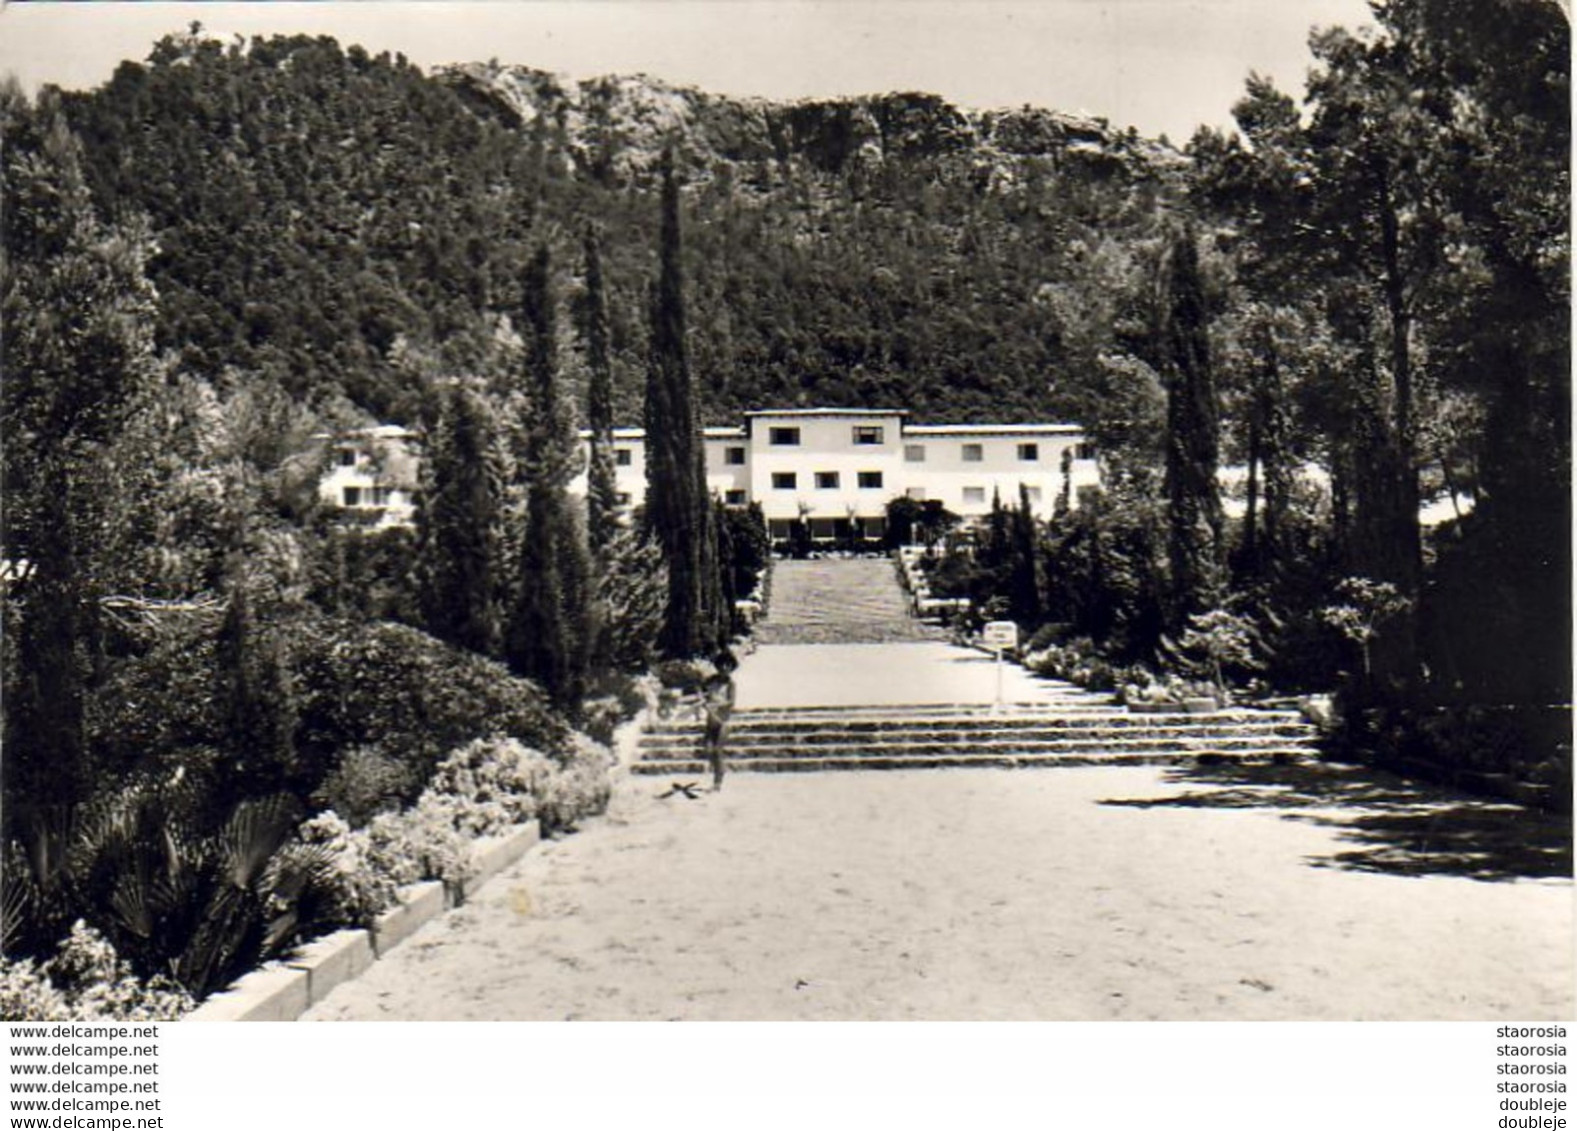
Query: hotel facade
<point x="838" y="468"/>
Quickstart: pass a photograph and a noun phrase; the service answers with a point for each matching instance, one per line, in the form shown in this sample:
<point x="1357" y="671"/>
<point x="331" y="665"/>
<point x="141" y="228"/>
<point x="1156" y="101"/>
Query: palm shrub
<point x="170" y="895"/>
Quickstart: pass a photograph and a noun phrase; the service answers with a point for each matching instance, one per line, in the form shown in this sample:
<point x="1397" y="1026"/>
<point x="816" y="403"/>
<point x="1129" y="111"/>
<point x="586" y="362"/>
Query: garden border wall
<point x="284" y="990"/>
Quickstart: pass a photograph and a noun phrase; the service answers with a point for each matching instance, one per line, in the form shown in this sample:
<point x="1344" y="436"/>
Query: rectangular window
<point x="870" y="480"/>
<point x="867" y="434"/>
<point x="734" y="497"/>
<point x="622" y="457"/>
<point x="827" y="480"/>
<point x="783" y="437"/>
<point x="973" y="453"/>
<point x="734" y="456"/>
<point x="347" y="457"/>
<point x="916" y="493"/>
<point x="352" y="496"/>
<point x="914" y="453"/>
<point x="1029" y="453"/>
<point x="974" y="494"/>
<point x="784" y="481"/>
<point x="379" y="496"/>
<point x="1085" y="450"/>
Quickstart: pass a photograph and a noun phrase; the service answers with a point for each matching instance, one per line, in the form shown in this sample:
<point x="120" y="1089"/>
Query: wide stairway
<point x="1072" y="729"/>
<point x="840" y="601"/>
<point x="906" y="724"/>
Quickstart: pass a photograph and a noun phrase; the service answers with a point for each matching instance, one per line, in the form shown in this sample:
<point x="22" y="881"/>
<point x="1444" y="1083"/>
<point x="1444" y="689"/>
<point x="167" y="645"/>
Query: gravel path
<point x="1097" y="893"/>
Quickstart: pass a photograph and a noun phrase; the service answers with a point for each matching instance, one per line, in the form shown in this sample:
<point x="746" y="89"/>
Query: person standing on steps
<point x="717" y="704"/>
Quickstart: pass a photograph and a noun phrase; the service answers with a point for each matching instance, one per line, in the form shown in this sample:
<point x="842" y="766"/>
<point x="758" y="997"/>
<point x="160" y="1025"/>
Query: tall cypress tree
<point x="1192" y="440"/>
<point x="458" y="527"/>
<point x="548" y="638"/>
<point x="676" y="504"/>
<point x="257" y="698"/>
<point x="78" y="362"/>
<point x="602" y="504"/>
<point x="1027" y="576"/>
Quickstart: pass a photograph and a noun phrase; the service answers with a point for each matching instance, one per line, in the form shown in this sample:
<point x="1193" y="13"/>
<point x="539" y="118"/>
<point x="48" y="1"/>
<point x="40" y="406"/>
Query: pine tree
<point x="676" y="502"/>
<point x="549" y="634"/>
<point x="1192" y="441"/>
<point x="458" y="527"/>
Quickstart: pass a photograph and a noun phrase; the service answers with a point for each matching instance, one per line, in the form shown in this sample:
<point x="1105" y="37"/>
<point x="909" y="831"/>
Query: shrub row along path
<point x="1100" y="892"/>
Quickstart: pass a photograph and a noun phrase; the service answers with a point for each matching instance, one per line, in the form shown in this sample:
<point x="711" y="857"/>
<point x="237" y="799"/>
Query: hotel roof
<point x="828" y="412"/>
<point x="990" y="429"/>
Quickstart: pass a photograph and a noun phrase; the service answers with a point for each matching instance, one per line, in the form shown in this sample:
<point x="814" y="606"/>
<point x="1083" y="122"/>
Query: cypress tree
<point x="1027" y="577"/>
<point x="549" y="636"/>
<point x="602" y="506"/>
<point x="77" y="355"/>
<point x="256" y="695"/>
<point x="458" y="527"/>
<point x="1192" y="442"/>
<point x="676" y="503"/>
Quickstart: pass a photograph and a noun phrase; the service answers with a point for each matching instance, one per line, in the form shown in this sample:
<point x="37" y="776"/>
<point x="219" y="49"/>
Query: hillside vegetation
<point x="347" y="226"/>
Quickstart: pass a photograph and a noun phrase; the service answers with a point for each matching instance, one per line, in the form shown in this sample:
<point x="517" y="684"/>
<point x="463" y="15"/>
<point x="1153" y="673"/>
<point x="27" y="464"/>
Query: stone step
<point x="859" y="760"/>
<point x="855" y="600"/>
<point x="1022" y="729"/>
<point x="965" y="727"/>
<point x="899" y="745"/>
<point x="742" y="749"/>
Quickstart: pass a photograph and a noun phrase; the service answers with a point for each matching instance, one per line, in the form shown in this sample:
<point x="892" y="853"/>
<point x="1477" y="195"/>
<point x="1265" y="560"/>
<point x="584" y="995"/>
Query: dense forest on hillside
<point x="345" y="226"/>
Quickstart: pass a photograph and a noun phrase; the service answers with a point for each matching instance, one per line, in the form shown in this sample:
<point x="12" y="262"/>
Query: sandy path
<point x="841" y="675"/>
<point x="976" y="894"/>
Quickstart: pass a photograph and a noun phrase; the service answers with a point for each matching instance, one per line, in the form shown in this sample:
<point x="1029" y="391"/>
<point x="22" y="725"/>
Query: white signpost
<point x="999" y="636"/>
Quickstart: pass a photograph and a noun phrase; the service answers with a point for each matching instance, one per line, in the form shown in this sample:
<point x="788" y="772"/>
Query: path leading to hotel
<point x="1108" y="892"/>
<point x="1068" y="894"/>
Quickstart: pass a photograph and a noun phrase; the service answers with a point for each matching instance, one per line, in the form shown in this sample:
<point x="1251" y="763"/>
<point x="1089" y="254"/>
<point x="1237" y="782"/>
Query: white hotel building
<point x="837" y="466"/>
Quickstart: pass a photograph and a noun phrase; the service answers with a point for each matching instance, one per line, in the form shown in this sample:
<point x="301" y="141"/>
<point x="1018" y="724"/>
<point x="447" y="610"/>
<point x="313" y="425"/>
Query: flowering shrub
<point x="492" y="783"/>
<point x="355" y="889"/>
<point x="27" y="994"/>
<point x="1170" y="690"/>
<point x="422" y="843"/>
<point x="1079" y="661"/>
<point x="578" y="789"/>
<point x="86" y="980"/>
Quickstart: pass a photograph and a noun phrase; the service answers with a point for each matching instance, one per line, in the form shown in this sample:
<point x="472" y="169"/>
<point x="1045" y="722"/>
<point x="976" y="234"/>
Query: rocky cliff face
<point x="613" y="128"/>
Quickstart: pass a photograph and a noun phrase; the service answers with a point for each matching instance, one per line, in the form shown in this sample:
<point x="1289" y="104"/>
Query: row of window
<point x="912" y="453"/>
<point x="825" y="480"/>
<point x="870" y="435"/>
<point x="367" y="496"/>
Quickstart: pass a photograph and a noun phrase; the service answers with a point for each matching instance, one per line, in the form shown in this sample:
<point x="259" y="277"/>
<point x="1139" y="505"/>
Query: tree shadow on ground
<point x="1399" y="826"/>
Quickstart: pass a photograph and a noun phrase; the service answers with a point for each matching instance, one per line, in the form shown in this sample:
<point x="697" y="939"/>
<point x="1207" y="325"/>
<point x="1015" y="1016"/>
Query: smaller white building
<point x="372" y="475"/>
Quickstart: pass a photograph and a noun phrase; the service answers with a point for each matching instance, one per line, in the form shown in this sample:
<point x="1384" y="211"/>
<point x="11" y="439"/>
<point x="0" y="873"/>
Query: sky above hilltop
<point x="1162" y="66"/>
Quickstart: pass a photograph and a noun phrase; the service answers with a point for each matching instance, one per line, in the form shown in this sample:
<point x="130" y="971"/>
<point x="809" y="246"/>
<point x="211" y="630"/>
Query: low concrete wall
<point x="272" y="993"/>
<point x="418" y="903"/>
<point x="493" y="854"/>
<point x="284" y="991"/>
